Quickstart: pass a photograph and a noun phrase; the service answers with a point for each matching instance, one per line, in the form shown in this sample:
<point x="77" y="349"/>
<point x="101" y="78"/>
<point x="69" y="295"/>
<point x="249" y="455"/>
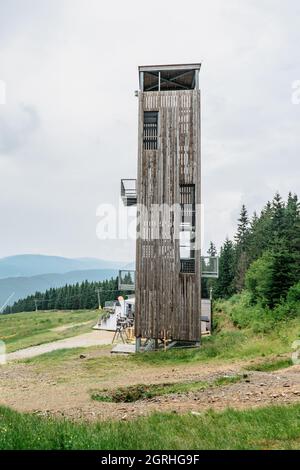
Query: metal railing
<point x="127" y="280"/>
<point x="187" y="266"/>
<point x="110" y="305"/>
<point x="210" y="266"/>
<point x="129" y="192"/>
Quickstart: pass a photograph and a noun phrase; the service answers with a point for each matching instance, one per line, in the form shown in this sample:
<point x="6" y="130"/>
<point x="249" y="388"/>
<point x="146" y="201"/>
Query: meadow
<point x="22" y="330"/>
<point x="135" y="380"/>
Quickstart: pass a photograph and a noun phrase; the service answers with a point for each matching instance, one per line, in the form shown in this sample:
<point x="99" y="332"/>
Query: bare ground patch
<point x="64" y="388"/>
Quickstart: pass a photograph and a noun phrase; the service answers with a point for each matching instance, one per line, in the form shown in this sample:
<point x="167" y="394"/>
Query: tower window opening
<point x="150" y="130"/>
<point x="187" y="236"/>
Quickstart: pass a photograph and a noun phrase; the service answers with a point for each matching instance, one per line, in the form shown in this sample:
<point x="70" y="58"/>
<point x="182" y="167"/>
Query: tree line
<point x="264" y="256"/>
<point x="70" y="297"/>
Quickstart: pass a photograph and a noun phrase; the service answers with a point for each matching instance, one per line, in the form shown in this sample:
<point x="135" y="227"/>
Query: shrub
<point x="259" y="277"/>
<point x="293" y="295"/>
<point x="270" y="277"/>
<point x="290" y="307"/>
<point x="245" y="314"/>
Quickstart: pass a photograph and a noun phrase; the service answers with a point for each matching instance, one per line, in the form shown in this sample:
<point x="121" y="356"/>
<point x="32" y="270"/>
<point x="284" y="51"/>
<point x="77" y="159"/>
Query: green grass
<point x="244" y="313"/>
<point x="21" y="330"/>
<point x="271" y="365"/>
<point x="264" y="428"/>
<point x="142" y="392"/>
<point x="228" y="345"/>
<point x="56" y="357"/>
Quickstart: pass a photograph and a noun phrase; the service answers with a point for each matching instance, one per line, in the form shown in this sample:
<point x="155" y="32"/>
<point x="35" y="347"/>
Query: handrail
<point x="129" y="192"/>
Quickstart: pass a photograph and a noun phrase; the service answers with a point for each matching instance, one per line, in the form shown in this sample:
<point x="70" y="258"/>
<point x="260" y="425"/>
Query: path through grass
<point x="22" y="330"/>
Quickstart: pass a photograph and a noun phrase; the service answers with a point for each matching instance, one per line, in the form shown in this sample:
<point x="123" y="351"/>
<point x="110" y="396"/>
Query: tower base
<point x="157" y="344"/>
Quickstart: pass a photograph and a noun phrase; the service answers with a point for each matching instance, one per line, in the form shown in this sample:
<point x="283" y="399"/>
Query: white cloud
<point x="69" y="130"/>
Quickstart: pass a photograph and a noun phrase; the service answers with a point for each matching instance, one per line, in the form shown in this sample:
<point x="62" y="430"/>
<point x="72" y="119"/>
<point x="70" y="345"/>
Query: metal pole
<point x="6" y="302"/>
<point x="99" y="300"/>
<point x="211" y="309"/>
<point x="138" y="342"/>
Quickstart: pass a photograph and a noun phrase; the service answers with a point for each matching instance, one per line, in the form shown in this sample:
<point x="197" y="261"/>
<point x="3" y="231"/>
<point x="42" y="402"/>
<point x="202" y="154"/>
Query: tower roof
<point x="160" y="68"/>
<point x="169" y="77"/>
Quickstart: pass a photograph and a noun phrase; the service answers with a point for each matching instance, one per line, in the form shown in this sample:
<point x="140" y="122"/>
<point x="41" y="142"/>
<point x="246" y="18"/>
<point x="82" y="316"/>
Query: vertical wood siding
<point x="168" y="302"/>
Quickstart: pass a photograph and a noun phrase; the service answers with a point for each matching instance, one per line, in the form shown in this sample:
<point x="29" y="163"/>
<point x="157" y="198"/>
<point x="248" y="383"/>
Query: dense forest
<point x="260" y="267"/>
<point x="262" y="261"/>
<point x="69" y="297"/>
<point x="264" y="256"/>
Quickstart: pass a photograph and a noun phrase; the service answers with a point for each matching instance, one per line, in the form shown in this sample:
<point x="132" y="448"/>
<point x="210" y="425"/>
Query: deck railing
<point x="127" y="280"/>
<point x="129" y="192"/>
<point x="209" y="268"/>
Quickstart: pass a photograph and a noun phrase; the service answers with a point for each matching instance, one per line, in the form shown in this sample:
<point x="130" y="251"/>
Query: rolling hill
<point x="33" y="265"/>
<point x="24" y="286"/>
<point x="23" y="275"/>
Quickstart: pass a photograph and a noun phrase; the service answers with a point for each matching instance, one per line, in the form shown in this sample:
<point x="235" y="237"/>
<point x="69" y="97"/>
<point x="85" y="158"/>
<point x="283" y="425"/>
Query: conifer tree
<point x="278" y="215"/>
<point x="242" y="234"/>
<point x="241" y="249"/>
<point x="224" y="284"/>
<point x="212" y="250"/>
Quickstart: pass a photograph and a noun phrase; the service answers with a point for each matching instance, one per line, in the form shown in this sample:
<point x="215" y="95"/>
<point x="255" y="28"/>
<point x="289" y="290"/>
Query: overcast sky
<point x="68" y="130"/>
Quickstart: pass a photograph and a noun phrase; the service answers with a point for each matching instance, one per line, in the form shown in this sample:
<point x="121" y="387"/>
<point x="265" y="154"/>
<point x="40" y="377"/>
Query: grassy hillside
<point x="21" y="330"/>
<point x="24" y="286"/>
<point x="257" y="337"/>
<point x="254" y="345"/>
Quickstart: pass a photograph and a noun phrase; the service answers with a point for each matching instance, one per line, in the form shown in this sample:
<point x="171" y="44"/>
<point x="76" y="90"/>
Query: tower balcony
<point x="209" y="269"/>
<point x="129" y="192"/>
<point x="210" y="266"/>
<point x="126" y="280"/>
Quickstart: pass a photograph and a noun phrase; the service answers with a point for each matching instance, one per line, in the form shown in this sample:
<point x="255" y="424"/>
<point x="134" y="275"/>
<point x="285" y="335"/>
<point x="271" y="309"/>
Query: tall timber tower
<point x="168" y="258"/>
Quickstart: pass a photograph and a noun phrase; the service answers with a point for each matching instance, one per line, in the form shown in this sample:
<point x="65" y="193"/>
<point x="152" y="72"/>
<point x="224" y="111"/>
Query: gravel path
<point x="94" y="338"/>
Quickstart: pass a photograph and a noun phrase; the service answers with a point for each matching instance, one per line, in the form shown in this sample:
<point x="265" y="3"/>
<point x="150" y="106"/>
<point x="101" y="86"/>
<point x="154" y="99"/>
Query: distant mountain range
<point x="24" y="275"/>
<point x="33" y="265"/>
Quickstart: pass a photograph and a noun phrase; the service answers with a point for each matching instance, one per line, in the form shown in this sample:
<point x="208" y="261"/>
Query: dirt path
<point x="94" y="338"/>
<point x="65" y="390"/>
<point x="59" y="329"/>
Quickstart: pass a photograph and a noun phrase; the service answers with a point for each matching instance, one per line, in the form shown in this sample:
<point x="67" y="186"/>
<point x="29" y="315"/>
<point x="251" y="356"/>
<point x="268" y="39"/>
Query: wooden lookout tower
<point x="168" y="259"/>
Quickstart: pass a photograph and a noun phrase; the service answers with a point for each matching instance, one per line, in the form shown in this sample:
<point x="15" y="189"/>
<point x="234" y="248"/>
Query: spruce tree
<point x="210" y="282"/>
<point x="278" y="216"/>
<point x="212" y="250"/>
<point x="224" y="284"/>
<point x="260" y="235"/>
<point x="241" y="249"/>
<point x="282" y="276"/>
<point x="242" y="234"/>
<point x="292" y="233"/>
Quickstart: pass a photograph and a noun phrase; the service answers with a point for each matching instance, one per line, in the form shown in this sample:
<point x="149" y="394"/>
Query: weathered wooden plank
<point x="167" y="301"/>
